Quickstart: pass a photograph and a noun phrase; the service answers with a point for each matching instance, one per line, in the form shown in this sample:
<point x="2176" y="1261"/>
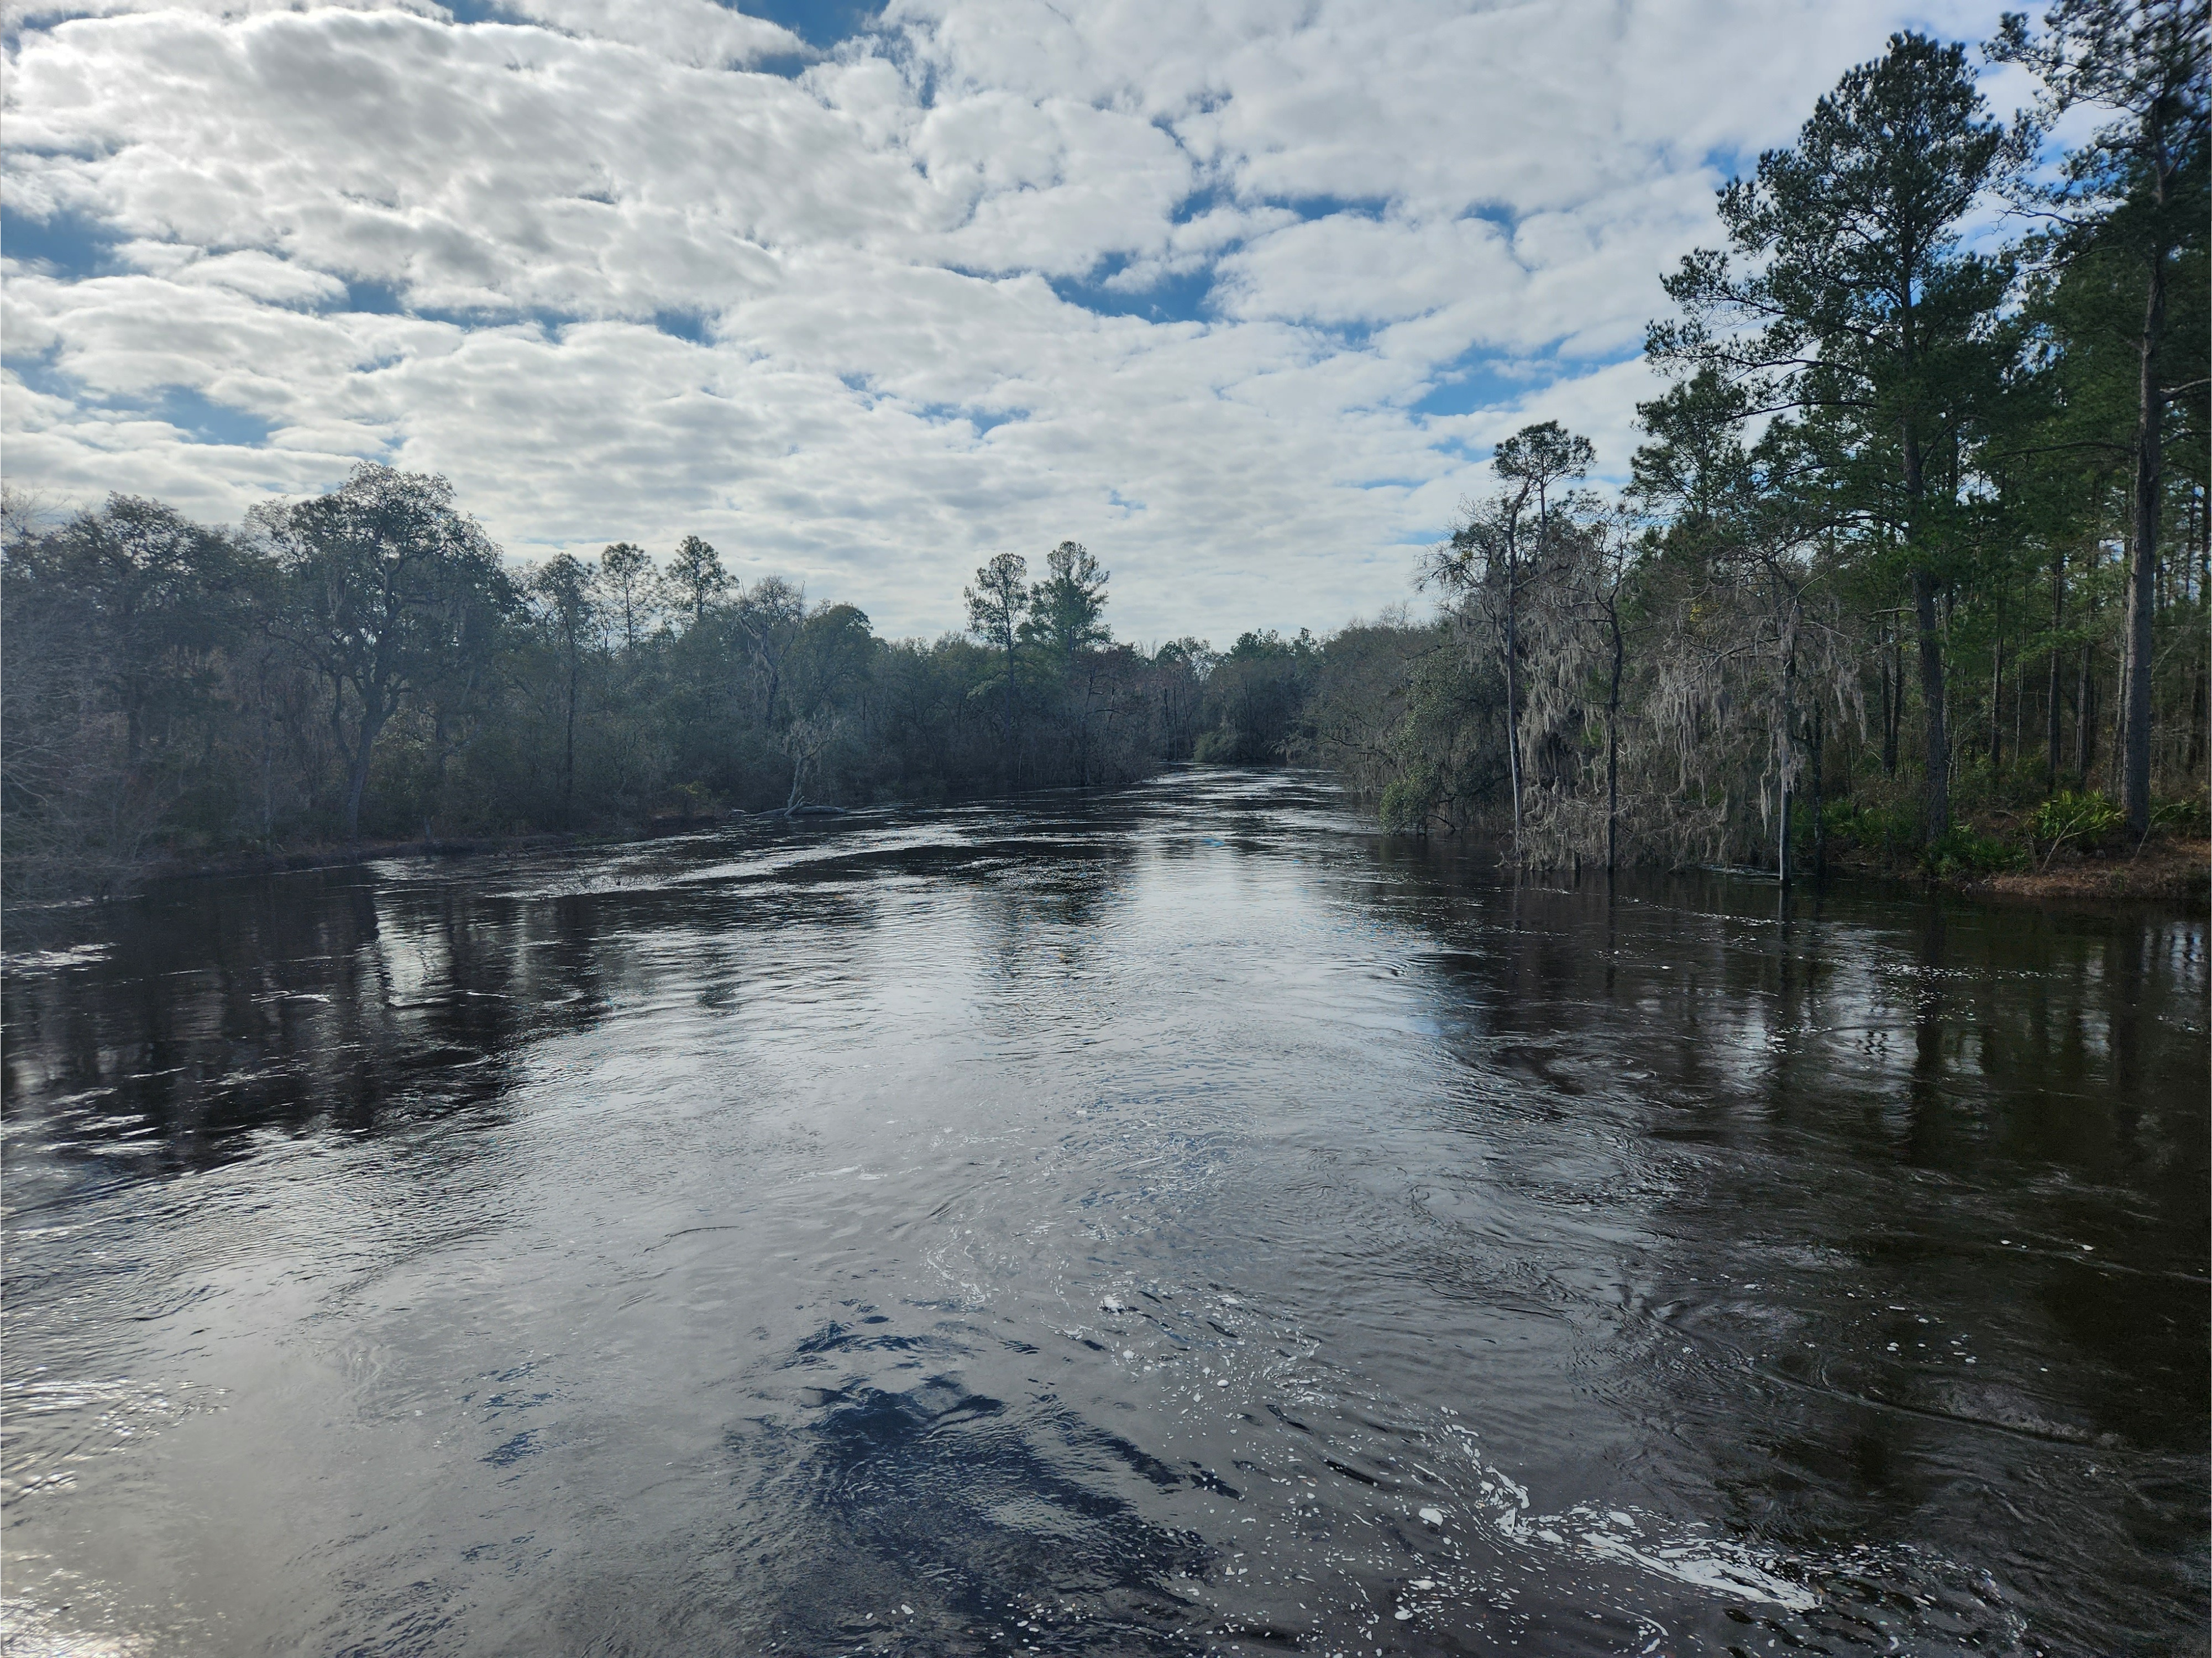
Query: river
<point x="1174" y="1221"/>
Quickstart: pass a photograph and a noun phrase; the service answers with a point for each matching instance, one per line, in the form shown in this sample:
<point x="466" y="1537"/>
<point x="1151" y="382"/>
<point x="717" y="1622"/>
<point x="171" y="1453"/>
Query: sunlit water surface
<point x="1177" y="1222"/>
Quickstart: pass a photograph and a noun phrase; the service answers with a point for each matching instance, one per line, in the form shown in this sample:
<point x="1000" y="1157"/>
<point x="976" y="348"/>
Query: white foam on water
<point x="1626" y="1536"/>
<point x="48" y="961"/>
<point x="1722" y="1568"/>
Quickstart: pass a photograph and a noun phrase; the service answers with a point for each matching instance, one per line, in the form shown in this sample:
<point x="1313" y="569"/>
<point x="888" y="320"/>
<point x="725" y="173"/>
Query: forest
<point x="1914" y="559"/>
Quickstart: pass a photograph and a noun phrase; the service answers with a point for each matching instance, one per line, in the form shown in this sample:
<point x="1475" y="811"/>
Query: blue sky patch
<point x="820" y="23"/>
<point x="210" y="421"/>
<point x="1329" y="207"/>
<point x="72" y="245"/>
<point x="684" y="325"/>
<point x="377" y="299"/>
<point x="983" y="420"/>
<point x="1481" y="380"/>
<point x="1170" y="299"/>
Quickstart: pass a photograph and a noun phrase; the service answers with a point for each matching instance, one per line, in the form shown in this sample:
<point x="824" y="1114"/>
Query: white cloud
<point x="376" y="231"/>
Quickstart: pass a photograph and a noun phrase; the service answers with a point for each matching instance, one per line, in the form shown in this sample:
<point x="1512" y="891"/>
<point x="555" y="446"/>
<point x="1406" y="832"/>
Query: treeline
<point x="1916" y="555"/>
<point x="1916" y="552"/>
<point x="366" y="664"/>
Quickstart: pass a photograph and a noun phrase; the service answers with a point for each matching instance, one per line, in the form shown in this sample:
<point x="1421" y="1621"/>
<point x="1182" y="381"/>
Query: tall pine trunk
<point x="2051" y="729"/>
<point x="1996" y="708"/>
<point x="1938" y="798"/>
<point x="2085" y="717"/>
<point x="2143" y="552"/>
<point x="1892" y="694"/>
<point x="1936" y="816"/>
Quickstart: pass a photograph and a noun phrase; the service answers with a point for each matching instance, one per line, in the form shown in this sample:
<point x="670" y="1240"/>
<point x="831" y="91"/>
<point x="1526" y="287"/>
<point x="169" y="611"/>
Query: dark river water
<point x="1179" y="1221"/>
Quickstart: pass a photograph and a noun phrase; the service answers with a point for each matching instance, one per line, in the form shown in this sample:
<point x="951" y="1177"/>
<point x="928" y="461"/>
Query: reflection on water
<point x="1173" y="1222"/>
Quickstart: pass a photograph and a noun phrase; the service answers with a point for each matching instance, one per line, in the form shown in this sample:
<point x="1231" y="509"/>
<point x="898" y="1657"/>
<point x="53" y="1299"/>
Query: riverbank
<point x="339" y="854"/>
<point x="2168" y="869"/>
<point x="2172" y="869"/>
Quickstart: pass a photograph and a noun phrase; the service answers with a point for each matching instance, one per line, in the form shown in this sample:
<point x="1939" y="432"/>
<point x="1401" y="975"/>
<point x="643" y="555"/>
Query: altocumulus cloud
<point x="1239" y="293"/>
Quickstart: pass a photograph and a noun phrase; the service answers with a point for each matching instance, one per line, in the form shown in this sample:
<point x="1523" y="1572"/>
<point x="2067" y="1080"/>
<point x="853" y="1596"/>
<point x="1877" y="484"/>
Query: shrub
<point x="2085" y="819"/>
<point x="1875" y="827"/>
<point x="1407" y="802"/>
<point x="1961" y="851"/>
<point x="2186" y="816"/>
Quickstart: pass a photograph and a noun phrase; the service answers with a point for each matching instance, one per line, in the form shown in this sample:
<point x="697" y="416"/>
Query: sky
<point x="1237" y="293"/>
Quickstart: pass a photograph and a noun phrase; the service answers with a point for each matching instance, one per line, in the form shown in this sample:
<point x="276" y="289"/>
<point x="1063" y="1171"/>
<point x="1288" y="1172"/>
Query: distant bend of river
<point x="1174" y="1220"/>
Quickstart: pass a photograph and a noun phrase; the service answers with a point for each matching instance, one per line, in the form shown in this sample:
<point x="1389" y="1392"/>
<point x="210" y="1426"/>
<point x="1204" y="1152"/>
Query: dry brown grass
<point x="2165" y="868"/>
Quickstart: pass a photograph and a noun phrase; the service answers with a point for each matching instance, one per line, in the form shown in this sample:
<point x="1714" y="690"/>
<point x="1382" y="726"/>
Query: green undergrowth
<point x="1991" y="837"/>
